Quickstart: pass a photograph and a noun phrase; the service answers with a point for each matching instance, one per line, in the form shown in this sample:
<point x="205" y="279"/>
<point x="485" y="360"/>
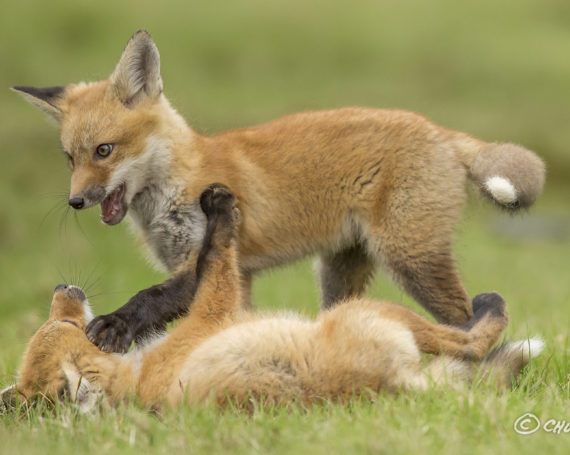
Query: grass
<point x="495" y="69"/>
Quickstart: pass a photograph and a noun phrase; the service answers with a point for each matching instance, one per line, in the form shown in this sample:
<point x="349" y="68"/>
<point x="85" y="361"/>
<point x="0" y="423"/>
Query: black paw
<point x="217" y="199"/>
<point x="491" y="303"/>
<point x="488" y="301"/>
<point x="110" y="333"/>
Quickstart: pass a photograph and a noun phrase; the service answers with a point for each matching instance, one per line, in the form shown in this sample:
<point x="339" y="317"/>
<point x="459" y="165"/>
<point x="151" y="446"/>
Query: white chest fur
<point x="170" y="226"/>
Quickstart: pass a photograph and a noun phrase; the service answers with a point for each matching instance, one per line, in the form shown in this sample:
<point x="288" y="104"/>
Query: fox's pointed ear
<point x="48" y="99"/>
<point x="137" y="74"/>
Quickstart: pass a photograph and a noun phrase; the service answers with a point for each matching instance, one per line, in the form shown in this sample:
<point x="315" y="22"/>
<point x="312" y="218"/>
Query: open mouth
<point x="114" y="207"/>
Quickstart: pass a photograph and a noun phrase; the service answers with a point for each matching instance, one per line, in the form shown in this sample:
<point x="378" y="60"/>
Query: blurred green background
<point x="499" y="70"/>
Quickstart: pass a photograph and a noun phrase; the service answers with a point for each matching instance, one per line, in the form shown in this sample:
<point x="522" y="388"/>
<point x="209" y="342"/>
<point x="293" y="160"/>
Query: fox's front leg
<point x="151" y="309"/>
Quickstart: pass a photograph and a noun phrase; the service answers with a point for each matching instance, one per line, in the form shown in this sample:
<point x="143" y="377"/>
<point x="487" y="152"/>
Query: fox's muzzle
<point x="71" y="292"/>
<point x="87" y="198"/>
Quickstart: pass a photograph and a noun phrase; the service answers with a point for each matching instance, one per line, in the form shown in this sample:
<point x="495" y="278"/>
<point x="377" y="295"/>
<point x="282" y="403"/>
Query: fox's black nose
<point x="77" y="202"/>
<point x="60" y="286"/>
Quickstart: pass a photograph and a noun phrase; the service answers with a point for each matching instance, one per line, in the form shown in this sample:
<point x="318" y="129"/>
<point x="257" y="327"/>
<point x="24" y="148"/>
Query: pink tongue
<point x="112" y="205"/>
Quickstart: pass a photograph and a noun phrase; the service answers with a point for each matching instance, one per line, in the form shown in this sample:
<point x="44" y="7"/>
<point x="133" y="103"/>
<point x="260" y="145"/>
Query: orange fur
<point x="356" y="186"/>
<point x="222" y="352"/>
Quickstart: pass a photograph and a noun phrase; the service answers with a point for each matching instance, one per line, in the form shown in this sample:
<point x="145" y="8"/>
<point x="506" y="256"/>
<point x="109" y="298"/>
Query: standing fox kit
<point x="223" y="352"/>
<point x="357" y="187"/>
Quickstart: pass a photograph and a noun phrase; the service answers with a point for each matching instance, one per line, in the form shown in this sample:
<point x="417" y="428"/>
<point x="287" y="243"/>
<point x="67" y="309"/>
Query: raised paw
<point x="488" y="303"/>
<point x="110" y="333"/>
<point x="217" y="201"/>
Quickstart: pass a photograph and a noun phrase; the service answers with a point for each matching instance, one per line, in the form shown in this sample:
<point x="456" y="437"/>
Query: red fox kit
<point x="223" y="352"/>
<point x="357" y="187"/>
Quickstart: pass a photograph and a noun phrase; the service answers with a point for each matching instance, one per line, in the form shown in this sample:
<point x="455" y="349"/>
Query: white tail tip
<point x="501" y="189"/>
<point x="530" y="348"/>
<point x="534" y="347"/>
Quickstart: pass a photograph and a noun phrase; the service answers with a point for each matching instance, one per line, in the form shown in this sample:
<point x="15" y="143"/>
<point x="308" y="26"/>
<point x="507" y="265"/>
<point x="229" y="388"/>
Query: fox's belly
<point x="264" y="357"/>
<point x="170" y="236"/>
<point x="285" y="243"/>
<point x="275" y="229"/>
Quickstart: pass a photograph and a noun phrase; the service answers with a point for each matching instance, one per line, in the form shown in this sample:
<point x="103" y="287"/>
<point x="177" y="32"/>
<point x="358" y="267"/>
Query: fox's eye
<point x="104" y="150"/>
<point x="69" y="161"/>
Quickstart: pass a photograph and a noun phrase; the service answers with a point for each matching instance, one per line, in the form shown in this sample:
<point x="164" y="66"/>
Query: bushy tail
<point x="508" y="174"/>
<point x="505" y="362"/>
<point x="500" y="367"/>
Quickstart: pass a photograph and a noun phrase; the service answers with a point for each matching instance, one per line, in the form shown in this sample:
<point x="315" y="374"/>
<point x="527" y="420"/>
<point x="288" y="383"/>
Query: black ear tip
<point x="24" y="89"/>
<point x="44" y="93"/>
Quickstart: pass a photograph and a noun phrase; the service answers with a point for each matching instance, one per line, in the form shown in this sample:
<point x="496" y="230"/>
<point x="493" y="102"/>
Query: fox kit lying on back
<point x="358" y="187"/>
<point x="222" y="351"/>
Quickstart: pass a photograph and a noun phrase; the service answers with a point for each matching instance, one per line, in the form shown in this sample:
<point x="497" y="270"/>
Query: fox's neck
<point x="173" y="124"/>
<point x="173" y="131"/>
<point x="171" y="223"/>
<point x="169" y="136"/>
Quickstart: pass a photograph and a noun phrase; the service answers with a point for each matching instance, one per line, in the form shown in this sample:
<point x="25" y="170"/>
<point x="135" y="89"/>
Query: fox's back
<point x="330" y="149"/>
<point x="309" y="180"/>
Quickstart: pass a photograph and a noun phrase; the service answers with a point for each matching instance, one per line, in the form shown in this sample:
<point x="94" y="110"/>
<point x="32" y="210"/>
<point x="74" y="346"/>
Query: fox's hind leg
<point x="472" y="341"/>
<point x="411" y="230"/>
<point x="344" y="274"/>
<point x="431" y="278"/>
<point x="415" y="246"/>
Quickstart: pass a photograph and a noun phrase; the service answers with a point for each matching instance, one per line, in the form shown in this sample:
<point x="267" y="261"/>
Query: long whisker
<point x="91" y="280"/>
<point x="76" y="217"/>
<point x="61" y="274"/>
<point x="77" y="274"/>
<point x="56" y="207"/>
<point x="106" y="293"/>
<point x="63" y="223"/>
<point x="93" y="284"/>
<point x="57" y="194"/>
